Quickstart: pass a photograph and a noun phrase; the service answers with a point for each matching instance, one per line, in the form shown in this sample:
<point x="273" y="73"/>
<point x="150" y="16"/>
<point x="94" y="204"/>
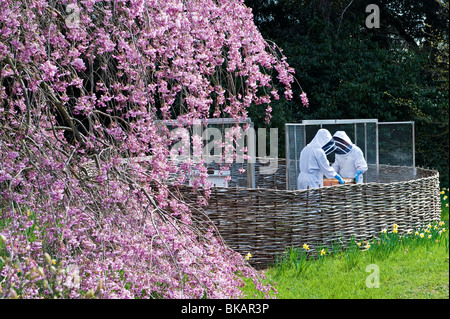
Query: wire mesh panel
<point x="396" y="143"/>
<point x="295" y="141"/>
<point x="396" y="148"/>
<point x="224" y="143"/>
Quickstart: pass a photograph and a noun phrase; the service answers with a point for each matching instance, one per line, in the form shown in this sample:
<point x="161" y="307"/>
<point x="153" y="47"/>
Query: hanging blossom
<point x="304" y="98"/>
<point x="85" y="161"/>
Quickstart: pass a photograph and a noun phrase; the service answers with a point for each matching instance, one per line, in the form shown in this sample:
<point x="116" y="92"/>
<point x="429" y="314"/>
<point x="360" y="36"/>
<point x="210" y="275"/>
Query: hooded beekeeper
<point x="349" y="159"/>
<point x="314" y="163"/>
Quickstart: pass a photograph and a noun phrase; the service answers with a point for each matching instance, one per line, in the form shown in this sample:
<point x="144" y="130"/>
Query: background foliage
<point x="398" y="72"/>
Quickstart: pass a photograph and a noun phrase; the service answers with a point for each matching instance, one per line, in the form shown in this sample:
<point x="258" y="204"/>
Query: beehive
<point x="334" y="181"/>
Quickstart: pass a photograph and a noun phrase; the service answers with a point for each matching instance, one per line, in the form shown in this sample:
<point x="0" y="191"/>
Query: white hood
<point x="343" y="143"/>
<point x="323" y="140"/>
<point x="323" y="136"/>
<point x="344" y="136"/>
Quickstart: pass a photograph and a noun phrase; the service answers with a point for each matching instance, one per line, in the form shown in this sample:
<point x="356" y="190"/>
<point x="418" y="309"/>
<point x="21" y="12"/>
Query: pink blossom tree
<point x="85" y="207"/>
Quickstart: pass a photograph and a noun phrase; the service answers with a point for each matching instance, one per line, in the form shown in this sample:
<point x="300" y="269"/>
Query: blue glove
<point x="339" y="178"/>
<point x="357" y="176"/>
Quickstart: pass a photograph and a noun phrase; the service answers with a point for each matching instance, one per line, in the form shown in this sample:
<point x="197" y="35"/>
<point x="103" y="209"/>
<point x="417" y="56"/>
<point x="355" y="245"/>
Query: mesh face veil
<point x="329" y="147"/>
<point x="342" y="146"/>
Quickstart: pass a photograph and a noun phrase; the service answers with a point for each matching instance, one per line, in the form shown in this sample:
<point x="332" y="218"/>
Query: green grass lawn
<point x="414" y="266"/>
<point x="418" y="273"/>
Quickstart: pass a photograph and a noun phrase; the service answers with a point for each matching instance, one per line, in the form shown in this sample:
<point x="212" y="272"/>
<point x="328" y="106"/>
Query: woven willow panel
<point x="265" y="221"/>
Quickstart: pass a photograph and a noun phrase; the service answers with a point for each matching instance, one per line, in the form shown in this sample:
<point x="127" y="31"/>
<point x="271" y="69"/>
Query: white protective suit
<point x="348" y="157"/>
<point x="314" y="163"/>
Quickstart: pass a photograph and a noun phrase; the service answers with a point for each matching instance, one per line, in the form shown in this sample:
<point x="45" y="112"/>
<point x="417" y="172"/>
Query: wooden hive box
<point x="334" y="181"/>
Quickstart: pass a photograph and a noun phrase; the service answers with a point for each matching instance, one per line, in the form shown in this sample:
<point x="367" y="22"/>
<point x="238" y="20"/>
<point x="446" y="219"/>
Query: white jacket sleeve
<point x="324" y="165"/>
<point x="360" y="162"/>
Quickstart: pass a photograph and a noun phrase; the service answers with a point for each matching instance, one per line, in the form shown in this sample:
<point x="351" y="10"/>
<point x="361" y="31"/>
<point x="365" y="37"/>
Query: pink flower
<point x="78" y="64"/>
<point x="96" y="183"/>
<point x="49" y="71"/>
<point x="305" y="101"/>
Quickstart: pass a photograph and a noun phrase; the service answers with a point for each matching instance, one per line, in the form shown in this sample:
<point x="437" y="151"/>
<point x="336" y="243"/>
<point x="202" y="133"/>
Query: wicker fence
<point x="264" y="221"/>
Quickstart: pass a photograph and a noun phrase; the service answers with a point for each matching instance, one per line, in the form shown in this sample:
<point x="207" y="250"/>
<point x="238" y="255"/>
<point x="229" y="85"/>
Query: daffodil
<point x="248" y="256"/>
<point x="395" y="231"/>
<point x="395" y="226"/>
<point x="429" y="226"/>
<point x="421" y="235"/>
<point x="367" y="246"/>
<point x="429" y="236"/>
<point x="445" y="197"/>
<point x="322" y="252"/>
<point x="384" y="230"/>
<point x="305" y="247"/>
<point x="442" y="193"/>
<point x="446" y="205"/>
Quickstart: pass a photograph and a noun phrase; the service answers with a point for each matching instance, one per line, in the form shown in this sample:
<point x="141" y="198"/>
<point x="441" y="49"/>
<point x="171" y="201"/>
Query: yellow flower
<point x="248" y="256"/>
<point x="446" y="205"/>
<point x="322" y="252"/>
<point x="443" y="230"/>
<point x="384" y="230"/>
<point x="442" y="193"/>
<point x="445" y="197"/>
<point x="395" y="226"/>
<point x="359" y="244"/>
<point x="427" y="231"/>
<point x="429" y="236"/>
<point x="53" y="261"/>
<point x="421" y="235"/>
<point x="408" y="232"/>
<point x="367" y="246"/>
<point x="305" y="247"/>
<point x="429" y="226"/>
<point x="416" y="233"/>
<point x="395" y="231"/>
<point x="441" y="223"/>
